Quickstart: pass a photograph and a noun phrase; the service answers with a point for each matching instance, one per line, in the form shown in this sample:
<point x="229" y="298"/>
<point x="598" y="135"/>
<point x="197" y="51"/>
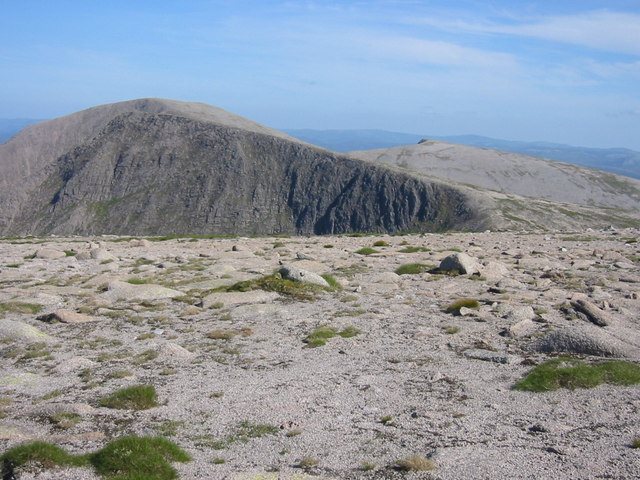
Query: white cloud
<point x="617" y="32"/>
<point x="434" y="52"/>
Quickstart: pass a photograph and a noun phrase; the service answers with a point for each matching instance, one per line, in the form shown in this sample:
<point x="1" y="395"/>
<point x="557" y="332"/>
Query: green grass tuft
<point x="413" y="268"/>
<point x="319" y="336"/>
<point x="573" y="373"/>
<point x="366" y="251"/>
<point x="463" y="302"/>
<point x="20" y="307"/>
<point x="331" y="280"/>
<point x="137" y="397"/>
<point x="380" y="243"/>
<point x="275" y="283"/>
<point x="138" y="281"/>
<point x="138" y="458"/>
<point x="46" y="454"/>
<point x="412" y="249"/>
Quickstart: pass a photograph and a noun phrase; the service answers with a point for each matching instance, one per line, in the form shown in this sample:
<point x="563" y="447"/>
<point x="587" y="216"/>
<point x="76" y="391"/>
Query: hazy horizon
<point x="566" y="73"/>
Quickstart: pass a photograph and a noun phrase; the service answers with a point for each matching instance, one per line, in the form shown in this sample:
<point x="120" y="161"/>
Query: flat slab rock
<point x="232" y="299"/>
<point x="118" y="290"/>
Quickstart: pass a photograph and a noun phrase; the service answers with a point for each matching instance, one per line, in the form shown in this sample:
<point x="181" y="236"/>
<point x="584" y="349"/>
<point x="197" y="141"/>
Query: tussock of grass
<point x="331" y="280"/>
<point x="20" y="307"/>
<point x="126" y="458"/>
<point x="244" y="432"/>
<point x="137" y="397"/>
<point x="275" y="283"/>
<point x="46" y="454"/>
<point x="380" y="243"/>
<point x="366" y="251"/>
<point x="463" y="302"/>
<point x="415" y="463"/>
<point x="320" y="335"/>
<point x="412" y="249"/>
<point x="413" y="268"/>
<point x="635" y="443"/>
<point x="573" y="373"/>
<point x="138" y="281"/>
<point x="137" y="458"/>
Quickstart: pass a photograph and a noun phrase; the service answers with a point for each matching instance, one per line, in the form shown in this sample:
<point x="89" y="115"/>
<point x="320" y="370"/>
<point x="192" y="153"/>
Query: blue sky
<point x="562" y="71"/>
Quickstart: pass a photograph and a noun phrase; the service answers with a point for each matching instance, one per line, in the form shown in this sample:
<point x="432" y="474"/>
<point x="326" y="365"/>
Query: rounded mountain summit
<point x="152" y="167"/>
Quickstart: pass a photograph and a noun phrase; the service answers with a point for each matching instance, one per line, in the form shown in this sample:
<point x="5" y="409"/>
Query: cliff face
<point x="159" y="172"/>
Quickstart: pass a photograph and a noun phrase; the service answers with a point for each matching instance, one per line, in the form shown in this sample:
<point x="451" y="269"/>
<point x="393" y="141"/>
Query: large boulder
<point x="118" y="290"/>
<point x="300" y="275"/>
<point x="586" y="340"/>
<point x="461" y="263"/>
<point x="49" y="254"/>
<point x="12" y="330"/>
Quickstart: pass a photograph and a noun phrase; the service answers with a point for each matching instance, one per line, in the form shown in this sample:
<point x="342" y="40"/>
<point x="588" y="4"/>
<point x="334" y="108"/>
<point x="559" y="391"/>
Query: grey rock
<point x="49" y="254"/>
<point x="584" y="340"/>
<point x="66" y="316"/>
<point x="593" y="313"/>
<point x="300" y="275"/>
<point x="461" y="263"/>
<point x="13" y="330"/>
<point x="101" y="255"/>
<point x="118" y="290"/>
<point x="488" y="356"/>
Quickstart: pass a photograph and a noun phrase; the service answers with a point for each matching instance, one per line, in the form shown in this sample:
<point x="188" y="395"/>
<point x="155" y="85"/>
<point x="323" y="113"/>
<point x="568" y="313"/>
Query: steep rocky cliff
<point x="157" y="167"/>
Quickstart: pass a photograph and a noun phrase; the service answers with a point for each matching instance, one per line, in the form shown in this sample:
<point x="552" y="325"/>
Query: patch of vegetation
<point x="70" y="253"/>
<point x="65" y="420"/>
<point x="451" y="330"/>
<point x="169" y="428"/>
<point x="20" y="307"/>
<point x="331" y="280"/>
<point x="463" y="302"/>
<point x="275" y="283"/>
<point x="380" y="243"/>
<point x="386" y="420"/>
<point x="178" y="236"/>
<point x="413" y="268"/>
<point x="244" y="432"/>
<point x="46" y="454"/>
<point x="415" y="463"/>
<point x="138" y="281"/>
<point x="412" y="249"/>
<point x="572" y="373"/>
<point x="307" y="463"/>
<point x="366" y="251"/>
<point x="145" y="357"/>
<point x="221" y="334"/>
<point x="137" y="397"/>
<point x="635" y="443"/>
<point x="218" y="461"/>
<point x="137" y="458"/>
<point x="328" y="245"/>
<point x="320" y="335"/>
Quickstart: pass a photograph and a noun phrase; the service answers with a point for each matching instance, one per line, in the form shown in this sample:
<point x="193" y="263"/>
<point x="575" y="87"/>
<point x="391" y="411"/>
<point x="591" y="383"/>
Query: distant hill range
<point x="616" y="160"/>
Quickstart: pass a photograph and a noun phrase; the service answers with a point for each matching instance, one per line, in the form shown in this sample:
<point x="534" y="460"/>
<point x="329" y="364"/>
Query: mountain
<point x="10" y="126"/>
<point x="154" y="166"/>
<point x="518" y="181"/>
<point x="621" y="161"/>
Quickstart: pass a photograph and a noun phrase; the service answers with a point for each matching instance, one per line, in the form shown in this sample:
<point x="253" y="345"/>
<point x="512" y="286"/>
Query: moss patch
<point x="320" y="335"/>
<point x="573" y="373"/>
<point x="413" y="268"/>
<point x="127" y="458"/>
<point x="138" y="397"/>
